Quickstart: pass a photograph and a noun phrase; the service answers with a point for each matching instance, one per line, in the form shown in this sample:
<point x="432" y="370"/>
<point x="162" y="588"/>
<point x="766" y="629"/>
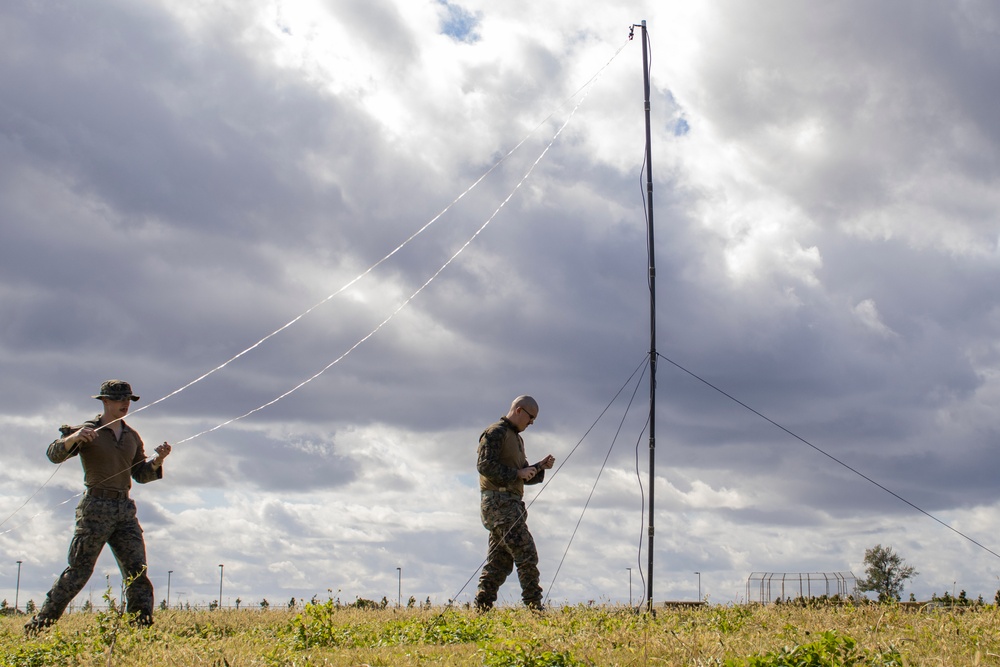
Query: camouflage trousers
<point x="510" y="545"/>
<point x="100" y="522"/>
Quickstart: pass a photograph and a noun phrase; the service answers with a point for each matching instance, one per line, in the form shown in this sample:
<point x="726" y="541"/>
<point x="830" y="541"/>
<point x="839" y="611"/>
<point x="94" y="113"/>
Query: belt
<point x="504" y="492"/>
<point x="108" y="494"/>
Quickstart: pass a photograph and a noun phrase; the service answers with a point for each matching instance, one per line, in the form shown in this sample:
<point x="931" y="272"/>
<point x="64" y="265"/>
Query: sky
<point x="329" y="242"/>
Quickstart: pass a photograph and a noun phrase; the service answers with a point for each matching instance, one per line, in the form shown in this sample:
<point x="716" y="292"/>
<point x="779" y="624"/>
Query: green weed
<point x="574" y="636"/>
<point x="831" y="650"/>
<point x="328" y="625"/>
<point x="56" y="650"/>
<point x="528" y="654"/>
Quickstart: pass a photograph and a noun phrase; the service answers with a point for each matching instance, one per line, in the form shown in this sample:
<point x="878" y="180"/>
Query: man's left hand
<point x="162" y="452"/>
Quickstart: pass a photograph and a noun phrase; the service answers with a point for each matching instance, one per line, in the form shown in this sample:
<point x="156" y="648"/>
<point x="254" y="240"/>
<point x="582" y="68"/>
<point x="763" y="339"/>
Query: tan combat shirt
<point x="107" y="463"/>
<point x="501" y="455"/>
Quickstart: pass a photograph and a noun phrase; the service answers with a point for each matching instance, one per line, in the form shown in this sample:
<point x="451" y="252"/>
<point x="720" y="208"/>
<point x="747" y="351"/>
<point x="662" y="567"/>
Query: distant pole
<point x="222" y="569"/>
<point x="699" y="586"/>
<point x="169" y="572"/>
<point x="399" y="586"/>
<point x="629" y="586"/>
<point x="17" y="589"/>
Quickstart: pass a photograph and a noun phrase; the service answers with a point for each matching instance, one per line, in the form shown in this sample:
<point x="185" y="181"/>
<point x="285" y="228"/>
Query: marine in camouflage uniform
<point x="503" y="472"/>
<point x="111" y="453"/>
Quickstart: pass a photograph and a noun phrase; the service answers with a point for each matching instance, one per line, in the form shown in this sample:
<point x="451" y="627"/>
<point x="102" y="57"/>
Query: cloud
<point x="867" y="314"/>
<point x="179" y="181"/>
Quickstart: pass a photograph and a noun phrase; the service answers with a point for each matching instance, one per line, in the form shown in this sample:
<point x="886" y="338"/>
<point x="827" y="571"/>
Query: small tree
<point x="30" y="608"/>
<point x="887" y="572"/>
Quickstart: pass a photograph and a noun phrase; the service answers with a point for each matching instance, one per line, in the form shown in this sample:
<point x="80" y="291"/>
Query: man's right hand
<point x="80" y="438"/>
<point x="527" y="473"/>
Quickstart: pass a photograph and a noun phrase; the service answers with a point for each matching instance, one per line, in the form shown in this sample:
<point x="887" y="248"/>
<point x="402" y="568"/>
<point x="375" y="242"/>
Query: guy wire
<point x="565" y="460"/>
<point x="829" y="456"/>
<point x="585" y="88"/>
<point x="593" y="488"/>
<point x="408" y="299"/>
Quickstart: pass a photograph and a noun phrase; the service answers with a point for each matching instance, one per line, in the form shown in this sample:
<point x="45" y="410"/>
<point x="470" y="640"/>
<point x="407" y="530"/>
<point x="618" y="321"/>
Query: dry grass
<point x="571" y="636"/>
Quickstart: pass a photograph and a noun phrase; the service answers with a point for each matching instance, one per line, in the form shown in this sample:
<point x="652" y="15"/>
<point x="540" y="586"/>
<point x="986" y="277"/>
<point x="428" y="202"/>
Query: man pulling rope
<point x="110" y="453"/>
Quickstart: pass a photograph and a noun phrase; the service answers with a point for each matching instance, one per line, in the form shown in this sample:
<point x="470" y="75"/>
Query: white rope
<point x="584" y="88"/>
<point x="407" y="301"/>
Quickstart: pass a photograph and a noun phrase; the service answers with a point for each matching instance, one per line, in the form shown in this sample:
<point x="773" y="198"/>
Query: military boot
<point x="36" y="625"/>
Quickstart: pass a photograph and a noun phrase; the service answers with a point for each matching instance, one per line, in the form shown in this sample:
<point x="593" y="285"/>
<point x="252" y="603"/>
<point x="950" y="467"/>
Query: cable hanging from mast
<point x="585" y="89"/>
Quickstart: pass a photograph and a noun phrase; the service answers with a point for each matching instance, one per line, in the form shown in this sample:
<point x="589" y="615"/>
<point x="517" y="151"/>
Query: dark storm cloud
<point x="179" y="182"/>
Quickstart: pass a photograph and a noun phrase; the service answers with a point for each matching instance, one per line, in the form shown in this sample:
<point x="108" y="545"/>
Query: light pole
<point x="699" y="586"/>
<point x="399" y="586"/>
<point x="17" y="590"/>
<point x="629" y="586"/>
<point x="169" y="572"/>
<point x="222" y="568"/>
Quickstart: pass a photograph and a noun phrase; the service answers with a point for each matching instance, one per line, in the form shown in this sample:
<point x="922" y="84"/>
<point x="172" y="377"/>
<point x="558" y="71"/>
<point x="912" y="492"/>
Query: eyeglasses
<point x="532" y="416"/>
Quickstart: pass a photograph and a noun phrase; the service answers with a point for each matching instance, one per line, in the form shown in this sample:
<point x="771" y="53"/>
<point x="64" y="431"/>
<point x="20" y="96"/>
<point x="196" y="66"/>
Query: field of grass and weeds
<point x="863" y="635"/>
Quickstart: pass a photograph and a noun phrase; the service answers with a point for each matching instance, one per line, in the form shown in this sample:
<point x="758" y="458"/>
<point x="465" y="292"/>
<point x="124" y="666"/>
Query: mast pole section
<point x="652" y="317"/>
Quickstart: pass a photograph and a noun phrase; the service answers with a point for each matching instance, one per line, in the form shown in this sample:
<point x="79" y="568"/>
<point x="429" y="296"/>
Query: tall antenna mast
<point x="652" y="317"/>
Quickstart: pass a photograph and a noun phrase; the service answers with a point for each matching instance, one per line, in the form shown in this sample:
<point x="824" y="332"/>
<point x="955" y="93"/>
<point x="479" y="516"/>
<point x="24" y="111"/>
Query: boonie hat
<point x="116" y="390"/>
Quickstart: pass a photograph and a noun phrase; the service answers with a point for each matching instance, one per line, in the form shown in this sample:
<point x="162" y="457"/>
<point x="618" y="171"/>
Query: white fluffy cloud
<point x="179" y="180"/>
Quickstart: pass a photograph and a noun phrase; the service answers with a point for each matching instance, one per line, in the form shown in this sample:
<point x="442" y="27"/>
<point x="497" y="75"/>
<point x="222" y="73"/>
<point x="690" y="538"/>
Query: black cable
<point x="642" y="513"/>
<point x="596" y="480"/>
<point x="642" y="169"/>
<point x="556" y="470"/>
<point x="830" y="456"/>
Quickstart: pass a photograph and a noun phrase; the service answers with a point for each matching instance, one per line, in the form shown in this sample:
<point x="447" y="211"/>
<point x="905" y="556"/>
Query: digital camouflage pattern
<point x="510" y="545"/>
<point x="116" y="390"/>
<point x="100" y="522"/>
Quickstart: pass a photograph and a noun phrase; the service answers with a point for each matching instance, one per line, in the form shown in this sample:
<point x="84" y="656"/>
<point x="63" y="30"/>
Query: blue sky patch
<point x="460" y="24"/>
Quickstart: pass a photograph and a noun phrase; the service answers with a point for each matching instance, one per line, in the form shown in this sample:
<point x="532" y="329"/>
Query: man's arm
<point x="72" y="440"/>
<point x="144" y="471"/>
<point x="488" y="464"/>
<point x="161" y="453"/>
<point x="540" y="469"/>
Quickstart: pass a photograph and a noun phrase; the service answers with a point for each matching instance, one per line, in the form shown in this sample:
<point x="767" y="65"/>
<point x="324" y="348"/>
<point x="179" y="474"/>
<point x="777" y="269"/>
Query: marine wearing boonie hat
<point x="112" y="456"/>
<point x="116" y="390"/>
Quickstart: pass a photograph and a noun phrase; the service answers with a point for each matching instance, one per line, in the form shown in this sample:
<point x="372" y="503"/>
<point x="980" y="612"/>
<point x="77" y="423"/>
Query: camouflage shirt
<point x="107" y="463"/>
<point x="501" y="455"/>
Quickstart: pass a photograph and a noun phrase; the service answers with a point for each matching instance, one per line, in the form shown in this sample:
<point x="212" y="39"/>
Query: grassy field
<point x="328" y="634"/>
